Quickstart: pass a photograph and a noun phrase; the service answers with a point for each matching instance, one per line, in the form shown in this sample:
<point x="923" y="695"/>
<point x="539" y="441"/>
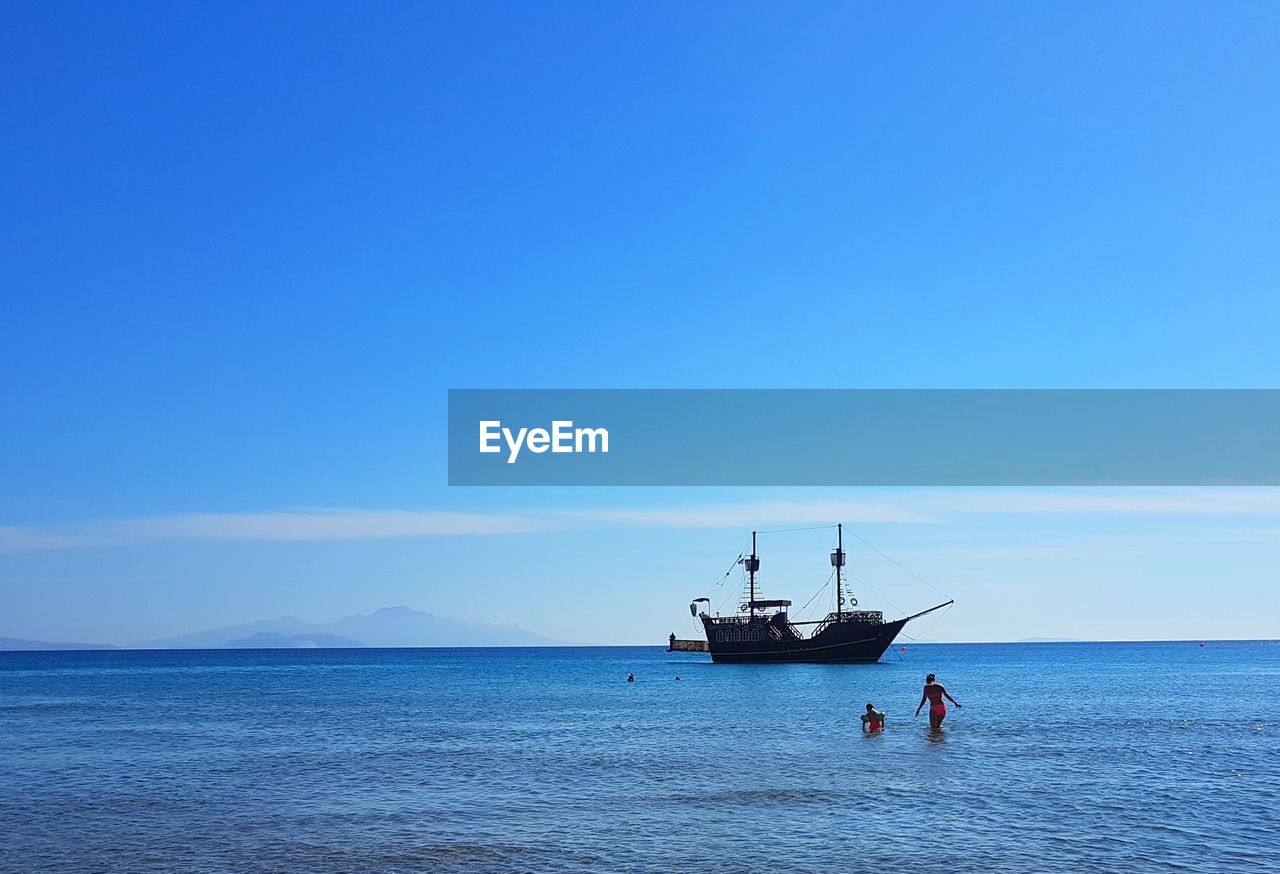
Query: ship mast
<point x="753" y="565"/>
<point x="837" y="561"/>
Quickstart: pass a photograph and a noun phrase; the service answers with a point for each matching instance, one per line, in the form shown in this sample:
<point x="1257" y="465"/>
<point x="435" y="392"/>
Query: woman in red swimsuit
<point x="934" y="692"/>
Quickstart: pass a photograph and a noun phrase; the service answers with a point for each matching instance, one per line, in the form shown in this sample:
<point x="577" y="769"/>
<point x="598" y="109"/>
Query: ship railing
<point x="875" y="617"/>
<point x="734" y="620"/>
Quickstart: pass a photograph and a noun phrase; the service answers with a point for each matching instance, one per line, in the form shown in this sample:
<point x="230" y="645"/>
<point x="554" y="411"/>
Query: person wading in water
<point x="934" y="692"/>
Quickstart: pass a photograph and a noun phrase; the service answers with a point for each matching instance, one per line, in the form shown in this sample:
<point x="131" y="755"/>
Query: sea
<point x="1065" y="757"/>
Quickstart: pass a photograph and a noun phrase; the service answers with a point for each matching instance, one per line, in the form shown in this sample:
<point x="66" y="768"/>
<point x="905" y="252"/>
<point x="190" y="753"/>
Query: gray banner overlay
<point x="810" y="437"/>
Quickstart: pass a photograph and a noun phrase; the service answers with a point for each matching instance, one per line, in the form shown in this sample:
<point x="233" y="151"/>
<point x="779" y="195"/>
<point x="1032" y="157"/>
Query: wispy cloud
<point x="748" y="513"/>
<point x="1239" y="501"/>
<point x="20" y="538"/>
<point x="289" y="525"/>
<point x="908" y="507"/>
<point x="324" y="524"/>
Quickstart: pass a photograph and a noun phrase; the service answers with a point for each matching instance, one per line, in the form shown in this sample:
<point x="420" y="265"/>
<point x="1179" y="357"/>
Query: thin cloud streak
<point x="748" y="514"/>
<point x="1145" y="501"/>
<point x="909" y="508"/>
<point x="19" y="538"/>
<point x="292" y="525"/>
<point x="325" y="524"/>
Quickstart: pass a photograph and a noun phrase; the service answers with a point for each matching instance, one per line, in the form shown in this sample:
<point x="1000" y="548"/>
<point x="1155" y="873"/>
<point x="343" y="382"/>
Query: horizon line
<point x="109" y="647"/>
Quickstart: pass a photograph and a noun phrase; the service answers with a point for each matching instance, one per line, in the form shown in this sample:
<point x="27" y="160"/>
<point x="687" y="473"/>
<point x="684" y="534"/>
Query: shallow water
<point x="1066" y="756"/>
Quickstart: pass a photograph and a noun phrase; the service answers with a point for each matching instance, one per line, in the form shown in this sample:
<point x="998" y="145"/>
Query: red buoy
<point x="904" y="649"/>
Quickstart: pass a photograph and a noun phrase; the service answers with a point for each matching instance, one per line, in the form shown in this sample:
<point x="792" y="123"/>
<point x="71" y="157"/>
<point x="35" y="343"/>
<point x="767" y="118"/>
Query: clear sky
<point x="246" y="249"/>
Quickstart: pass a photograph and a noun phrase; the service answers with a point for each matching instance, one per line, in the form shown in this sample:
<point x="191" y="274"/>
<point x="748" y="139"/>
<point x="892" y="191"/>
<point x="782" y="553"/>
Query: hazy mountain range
<point x="13" y="644"/>
<point x="389" y="626"/>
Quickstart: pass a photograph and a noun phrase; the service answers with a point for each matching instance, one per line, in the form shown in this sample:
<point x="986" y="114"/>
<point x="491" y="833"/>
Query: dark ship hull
<point x="860" y="637"/>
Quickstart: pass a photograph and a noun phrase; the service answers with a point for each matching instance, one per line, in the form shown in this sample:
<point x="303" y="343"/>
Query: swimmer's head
<point x="870" y="708"/>
<point x="929" y="679"/>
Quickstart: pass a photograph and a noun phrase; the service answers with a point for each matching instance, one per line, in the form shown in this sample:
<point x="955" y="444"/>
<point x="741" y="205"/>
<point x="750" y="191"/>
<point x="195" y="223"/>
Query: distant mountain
<point x="402" y="626"/>
<point x="271" y="640"/>
<point x="389" y="626"/>
<point x="215" y="638"/>
<point x="13" y="644"/>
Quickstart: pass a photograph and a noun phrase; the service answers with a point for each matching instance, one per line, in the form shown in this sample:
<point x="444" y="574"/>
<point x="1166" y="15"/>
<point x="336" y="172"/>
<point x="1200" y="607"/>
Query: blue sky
<point x="244" y="252"/>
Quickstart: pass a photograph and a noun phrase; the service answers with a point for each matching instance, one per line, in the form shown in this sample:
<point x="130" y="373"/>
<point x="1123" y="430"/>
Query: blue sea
<point x="1066" y="757"/>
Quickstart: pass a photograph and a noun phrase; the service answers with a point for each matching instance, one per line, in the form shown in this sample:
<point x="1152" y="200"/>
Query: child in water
<point x="872" y="720"/>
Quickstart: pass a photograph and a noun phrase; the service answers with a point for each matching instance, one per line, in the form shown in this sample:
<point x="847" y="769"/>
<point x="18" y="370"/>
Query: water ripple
<point x="1065" y="758"/>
